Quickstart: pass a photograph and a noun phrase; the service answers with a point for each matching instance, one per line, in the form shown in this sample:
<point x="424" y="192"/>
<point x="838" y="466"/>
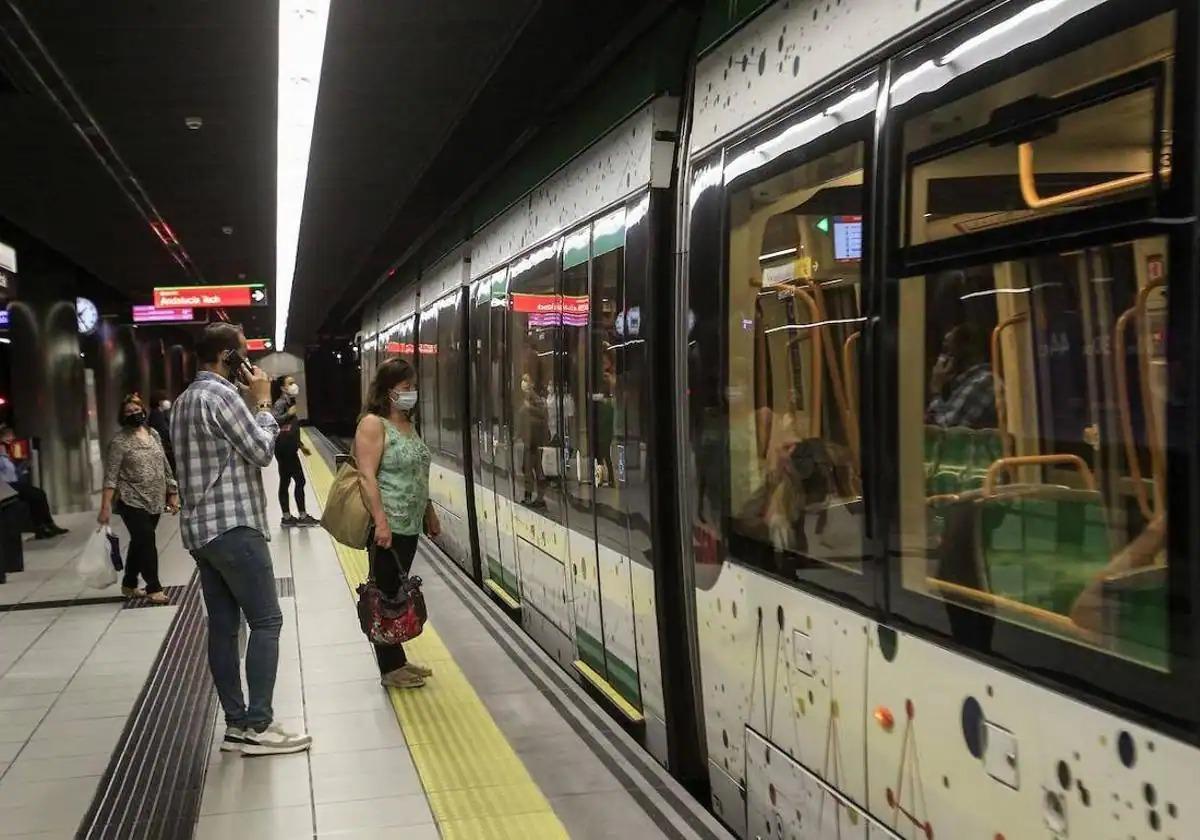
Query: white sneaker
<point x="235" y="739"/>
<point x="274" y="741"/>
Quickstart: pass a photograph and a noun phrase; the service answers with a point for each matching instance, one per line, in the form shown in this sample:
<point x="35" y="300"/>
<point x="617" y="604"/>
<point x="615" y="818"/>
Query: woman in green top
<point x="394" y="464"/>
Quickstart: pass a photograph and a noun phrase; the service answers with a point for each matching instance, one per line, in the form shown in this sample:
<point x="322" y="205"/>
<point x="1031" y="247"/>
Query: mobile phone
<point x="240" y="367"/>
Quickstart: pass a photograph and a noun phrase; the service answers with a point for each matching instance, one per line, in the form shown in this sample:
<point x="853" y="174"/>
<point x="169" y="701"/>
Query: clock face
<point x="86" y="316"/>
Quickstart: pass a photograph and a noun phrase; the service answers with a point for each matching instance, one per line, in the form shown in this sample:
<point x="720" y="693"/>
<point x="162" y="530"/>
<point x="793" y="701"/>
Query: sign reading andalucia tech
<point x="245" y="294"/>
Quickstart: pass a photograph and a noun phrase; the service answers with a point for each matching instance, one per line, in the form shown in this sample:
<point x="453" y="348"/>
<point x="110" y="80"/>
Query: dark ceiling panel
<point x="396" y="79"/>
<point x="141" y="67"/>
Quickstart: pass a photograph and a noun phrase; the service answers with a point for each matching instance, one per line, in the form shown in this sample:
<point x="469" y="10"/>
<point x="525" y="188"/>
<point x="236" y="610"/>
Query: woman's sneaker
<point x="274" y="740"/>
<point x="234" y="740"/>
<point x="402" y="678"/>
<point x="288" y="521"/>
<point x="422" y="671"/>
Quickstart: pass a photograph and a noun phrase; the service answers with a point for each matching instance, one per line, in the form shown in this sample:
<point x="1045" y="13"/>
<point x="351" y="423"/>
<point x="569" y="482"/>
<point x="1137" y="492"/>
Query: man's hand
<point x="292" y="410"/>
<point x="259" y="386"/>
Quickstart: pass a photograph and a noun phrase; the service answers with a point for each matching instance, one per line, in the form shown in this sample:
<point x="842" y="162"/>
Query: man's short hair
<point x="217" y="339"/>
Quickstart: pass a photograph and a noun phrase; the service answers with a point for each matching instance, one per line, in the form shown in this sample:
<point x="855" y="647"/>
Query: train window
<point x="1032" y="443"/>
<point x="534" y="321"/>
<point x="794" y="281"/>
<point x="1087" y="128"/>
<point x="427" y="378"/>
<point x="576" y="440"/>
<point x="449" y="364"/>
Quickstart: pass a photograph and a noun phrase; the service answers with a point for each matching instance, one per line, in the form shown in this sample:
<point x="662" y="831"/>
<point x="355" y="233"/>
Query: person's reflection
<point x="533" y="426"/>
<point x="605" y="424"/>
<point x="961" y="387"/>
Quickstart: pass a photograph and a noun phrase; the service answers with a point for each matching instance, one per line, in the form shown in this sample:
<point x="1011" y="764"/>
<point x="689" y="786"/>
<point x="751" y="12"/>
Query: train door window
<point x="1033" y="450"/>
<point x="406" y="341"/>
<point x="794" y="319"/>
<point x="497" y="412"/>
<point x="1032" y="387"/>
<point x="1089" y="128"/>
<point x="608" y="360"/>
<point x="576" y="446"/>
<point x="427" y="378"/>
<point x="449" y="365"/>
<point x="534" y="316"/>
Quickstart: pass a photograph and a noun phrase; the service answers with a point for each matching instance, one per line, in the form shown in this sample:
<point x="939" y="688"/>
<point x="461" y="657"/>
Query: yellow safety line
<point x="604" y="687"/>
<point x="476" y="785"/>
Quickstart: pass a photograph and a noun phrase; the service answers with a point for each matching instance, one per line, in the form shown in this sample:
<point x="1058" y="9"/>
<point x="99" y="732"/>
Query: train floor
<point x="109" y="725"/>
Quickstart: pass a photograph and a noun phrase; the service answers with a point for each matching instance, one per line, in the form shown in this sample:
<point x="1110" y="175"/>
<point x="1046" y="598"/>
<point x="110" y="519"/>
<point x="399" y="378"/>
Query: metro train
<point x="827" y="425"/>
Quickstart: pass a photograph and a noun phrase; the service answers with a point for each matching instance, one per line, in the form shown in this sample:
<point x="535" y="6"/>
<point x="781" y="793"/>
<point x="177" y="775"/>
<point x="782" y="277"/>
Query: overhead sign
<point x="246" y="294"/>
<point x="259" y="345"/>
<point x="157" y="315"/>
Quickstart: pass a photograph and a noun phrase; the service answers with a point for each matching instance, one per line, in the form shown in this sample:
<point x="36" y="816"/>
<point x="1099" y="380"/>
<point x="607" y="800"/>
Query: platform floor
<point x="499" y="743"/>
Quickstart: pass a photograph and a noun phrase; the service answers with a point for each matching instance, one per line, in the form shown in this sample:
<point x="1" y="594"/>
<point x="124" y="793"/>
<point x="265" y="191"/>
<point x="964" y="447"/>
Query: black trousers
<point x="290" y="471"/>
<point x="142" y="557"/>
<point x="390" y="567"/>
<point x="35" y="498"/>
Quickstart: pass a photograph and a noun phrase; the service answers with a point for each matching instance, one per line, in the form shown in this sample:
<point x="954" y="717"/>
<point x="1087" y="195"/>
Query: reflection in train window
<point x="427" y="378"/>
<point x="795" y="249"/>
<point x="1032" y="442"/>
<point x="1081" y="130"/>
<point x="449" y="363"/>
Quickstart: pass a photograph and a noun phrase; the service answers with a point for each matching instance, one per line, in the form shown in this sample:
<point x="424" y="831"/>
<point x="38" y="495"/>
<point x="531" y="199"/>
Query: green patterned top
<point x="404" y="480"/>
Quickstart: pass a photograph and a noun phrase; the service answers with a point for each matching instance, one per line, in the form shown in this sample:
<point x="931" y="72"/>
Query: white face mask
<point x="291" y="390"/>
<point x="404" y="400"/>
<point x="165" y="405"/>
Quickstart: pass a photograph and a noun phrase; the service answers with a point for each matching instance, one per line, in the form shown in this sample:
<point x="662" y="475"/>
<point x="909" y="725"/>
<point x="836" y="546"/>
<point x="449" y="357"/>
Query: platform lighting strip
<point x="302" y="25"/>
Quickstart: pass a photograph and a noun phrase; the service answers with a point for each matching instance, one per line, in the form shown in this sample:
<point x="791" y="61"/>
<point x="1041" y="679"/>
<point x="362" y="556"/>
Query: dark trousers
<point x="35" y="499"/>
<point x="142" y="557"/>
<point x="290" y="471"/>
<point x="390" y="567"/>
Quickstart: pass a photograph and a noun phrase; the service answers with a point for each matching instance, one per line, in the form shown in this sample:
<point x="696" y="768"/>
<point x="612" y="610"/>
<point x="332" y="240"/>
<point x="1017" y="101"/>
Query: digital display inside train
<point x="847" y="238"/>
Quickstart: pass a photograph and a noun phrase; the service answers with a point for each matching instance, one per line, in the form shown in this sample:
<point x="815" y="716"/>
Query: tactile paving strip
<point x="476" y="784"/>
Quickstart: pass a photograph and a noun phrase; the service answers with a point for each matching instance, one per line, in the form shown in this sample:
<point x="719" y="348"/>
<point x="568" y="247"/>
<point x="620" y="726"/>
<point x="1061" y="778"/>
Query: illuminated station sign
<point x="165" y="315"/>
<point x="259" y="345"/>
<point x="246" y="294"/>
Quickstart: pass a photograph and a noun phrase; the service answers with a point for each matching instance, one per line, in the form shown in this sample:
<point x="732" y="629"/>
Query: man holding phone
<point x="224" y="435"/>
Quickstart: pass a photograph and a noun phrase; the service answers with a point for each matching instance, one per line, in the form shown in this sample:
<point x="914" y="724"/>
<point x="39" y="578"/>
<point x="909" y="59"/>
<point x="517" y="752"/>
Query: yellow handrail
<point x="1036" y="202"/>
<point x="998" y="379"/>
<point x="1001" y="464"/>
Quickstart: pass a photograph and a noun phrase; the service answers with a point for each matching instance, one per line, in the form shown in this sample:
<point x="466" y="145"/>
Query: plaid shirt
<point x="220" y="450"/>
<point x="971" y="401"/>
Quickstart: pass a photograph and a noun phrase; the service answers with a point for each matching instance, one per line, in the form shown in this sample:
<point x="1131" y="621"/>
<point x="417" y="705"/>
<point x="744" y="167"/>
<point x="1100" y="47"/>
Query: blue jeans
<point x="236" y="576"/>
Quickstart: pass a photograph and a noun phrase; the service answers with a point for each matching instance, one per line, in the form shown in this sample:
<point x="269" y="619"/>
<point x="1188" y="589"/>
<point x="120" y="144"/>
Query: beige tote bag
<point x="346" y="516"/>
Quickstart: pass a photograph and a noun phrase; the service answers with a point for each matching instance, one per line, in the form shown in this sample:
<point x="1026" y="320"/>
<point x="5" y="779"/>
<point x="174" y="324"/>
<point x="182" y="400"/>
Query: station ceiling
<point x="417" y="101"/>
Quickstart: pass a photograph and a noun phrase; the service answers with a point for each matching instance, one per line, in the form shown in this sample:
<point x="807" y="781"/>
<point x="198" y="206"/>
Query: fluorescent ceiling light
<point x="302" y="26"/>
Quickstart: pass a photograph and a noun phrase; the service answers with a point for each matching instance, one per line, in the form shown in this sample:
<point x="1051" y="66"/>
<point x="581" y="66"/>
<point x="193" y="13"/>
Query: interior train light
<point x="302" y="25"/>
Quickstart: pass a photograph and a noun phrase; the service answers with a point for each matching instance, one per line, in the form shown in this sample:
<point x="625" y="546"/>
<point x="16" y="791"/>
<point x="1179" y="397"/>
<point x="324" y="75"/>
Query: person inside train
<point x="961" y="387"/>
<point x="44" y="526"/>
<point x="139" y="484"/>
<point x="288" y="447"/>
<point x="393" y="464"/>
<point x="606" y="423"/>
<point x="533" y="426"/>
<point x="160" y="422"/>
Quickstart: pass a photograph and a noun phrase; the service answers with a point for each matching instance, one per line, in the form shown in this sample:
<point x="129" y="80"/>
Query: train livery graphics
<point x="870" y="512"/>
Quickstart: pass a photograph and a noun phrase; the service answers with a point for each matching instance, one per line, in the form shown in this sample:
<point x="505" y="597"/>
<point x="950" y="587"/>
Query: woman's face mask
<point x="137" y="418"/>
<point x="291" y="390"/>
<point x="165" y="405"/>
<point x="404" y="400"/>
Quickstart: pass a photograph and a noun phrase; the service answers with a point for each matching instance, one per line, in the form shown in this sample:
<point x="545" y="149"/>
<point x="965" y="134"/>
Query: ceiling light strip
<point x="302" y="25"/>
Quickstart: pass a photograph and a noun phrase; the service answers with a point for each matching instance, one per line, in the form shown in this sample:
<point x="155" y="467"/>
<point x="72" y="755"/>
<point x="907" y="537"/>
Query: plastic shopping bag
<point x="95" y="565"/>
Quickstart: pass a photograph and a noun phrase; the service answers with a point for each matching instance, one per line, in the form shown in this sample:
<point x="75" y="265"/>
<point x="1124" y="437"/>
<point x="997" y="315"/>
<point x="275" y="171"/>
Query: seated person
<point x="961" y="387"/>
<point x="39" y="506"/>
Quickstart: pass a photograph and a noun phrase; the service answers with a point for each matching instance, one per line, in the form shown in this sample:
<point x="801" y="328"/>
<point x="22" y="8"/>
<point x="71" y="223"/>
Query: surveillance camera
<point x="193" y="123"/>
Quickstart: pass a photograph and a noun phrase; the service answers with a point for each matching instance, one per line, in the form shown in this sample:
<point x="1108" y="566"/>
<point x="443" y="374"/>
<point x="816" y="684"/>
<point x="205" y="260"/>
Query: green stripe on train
<point x="619" y="675"/>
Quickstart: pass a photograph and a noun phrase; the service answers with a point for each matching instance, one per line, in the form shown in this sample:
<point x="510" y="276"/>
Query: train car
<point x="937" y="401"/>
<point x="860" y="504"/>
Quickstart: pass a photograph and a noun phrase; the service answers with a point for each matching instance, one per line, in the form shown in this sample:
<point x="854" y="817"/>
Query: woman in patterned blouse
<point x="138" y="476"/>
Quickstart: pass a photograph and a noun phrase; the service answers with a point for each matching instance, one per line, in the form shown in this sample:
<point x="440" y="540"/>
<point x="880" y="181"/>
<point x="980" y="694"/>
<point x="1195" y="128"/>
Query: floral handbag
<point x="391" y="621"/>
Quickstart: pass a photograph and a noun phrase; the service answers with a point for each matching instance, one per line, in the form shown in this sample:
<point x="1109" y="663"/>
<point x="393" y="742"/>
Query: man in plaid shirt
<point x="962" y="388"/>
<point x="221" y="447"/>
